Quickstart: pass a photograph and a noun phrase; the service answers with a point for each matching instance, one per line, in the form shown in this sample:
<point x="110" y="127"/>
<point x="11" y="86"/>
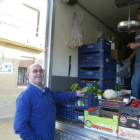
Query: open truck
<point x="60" y="61"/>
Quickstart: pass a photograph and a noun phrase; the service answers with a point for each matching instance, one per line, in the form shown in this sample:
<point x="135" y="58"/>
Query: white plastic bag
<point x="125" y="70"/>
<point x="76" y="39"/>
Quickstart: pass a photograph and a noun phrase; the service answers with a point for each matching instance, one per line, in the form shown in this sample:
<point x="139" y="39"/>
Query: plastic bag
<point x="76" y="39"/>
<point x="125" y="70"/>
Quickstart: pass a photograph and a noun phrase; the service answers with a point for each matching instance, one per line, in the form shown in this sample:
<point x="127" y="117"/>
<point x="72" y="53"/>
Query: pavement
<point x="7" y="131"/>
<point x="7" y="111"/>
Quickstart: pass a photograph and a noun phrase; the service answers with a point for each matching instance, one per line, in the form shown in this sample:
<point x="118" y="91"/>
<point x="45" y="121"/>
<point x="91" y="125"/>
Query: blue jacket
<point x="35" y="113"/>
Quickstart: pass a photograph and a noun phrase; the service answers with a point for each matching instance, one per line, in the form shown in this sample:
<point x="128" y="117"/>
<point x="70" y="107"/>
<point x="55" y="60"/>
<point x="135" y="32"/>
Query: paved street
<point x="7" y="111"/>
<point x="6" y="131"/>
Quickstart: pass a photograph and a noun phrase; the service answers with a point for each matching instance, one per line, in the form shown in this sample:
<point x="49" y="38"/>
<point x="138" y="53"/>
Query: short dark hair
<point x="138" y="9"/>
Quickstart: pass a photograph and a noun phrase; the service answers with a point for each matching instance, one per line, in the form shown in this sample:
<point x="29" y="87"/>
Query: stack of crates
<point x="113" y="72"/>
<point x="74" y="110"/>
<point x="95" y="65"/>
<point x="64" y="110"/>
<point x="81" y="104"/>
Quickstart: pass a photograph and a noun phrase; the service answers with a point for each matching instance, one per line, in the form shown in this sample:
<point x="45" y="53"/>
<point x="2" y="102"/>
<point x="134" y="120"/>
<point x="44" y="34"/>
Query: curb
<point x="6" y="118"/>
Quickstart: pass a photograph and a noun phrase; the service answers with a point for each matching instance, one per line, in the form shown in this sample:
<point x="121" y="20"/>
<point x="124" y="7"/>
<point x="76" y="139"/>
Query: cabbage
<point x="110" y="94"/>
<point x="87" y="89"/>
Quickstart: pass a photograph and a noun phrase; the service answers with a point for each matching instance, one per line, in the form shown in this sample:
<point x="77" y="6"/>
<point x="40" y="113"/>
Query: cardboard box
<point x="129" y="133"/>
<point x="129" y="117"/>
<point x="112" y="46"/>
<point x="107" y="124"/>
<point x="129" y="121"/>
<point x="117" y="55"/>
<point x="109" y="104"/>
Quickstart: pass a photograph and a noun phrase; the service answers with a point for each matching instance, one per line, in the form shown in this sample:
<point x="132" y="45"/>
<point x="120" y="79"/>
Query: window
<point x="22" y="78"/>
<point x="24" y="63"/>
<point x="31" y="22"/>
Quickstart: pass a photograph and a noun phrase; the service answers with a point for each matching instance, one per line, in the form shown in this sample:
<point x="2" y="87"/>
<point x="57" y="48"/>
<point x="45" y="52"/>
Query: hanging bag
<point x="76" y="38"/>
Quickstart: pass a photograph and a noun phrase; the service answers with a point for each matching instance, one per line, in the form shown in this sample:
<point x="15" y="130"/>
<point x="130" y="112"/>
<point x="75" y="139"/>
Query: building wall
<point x="18" y="38"/>
<point x="8" y="81"/>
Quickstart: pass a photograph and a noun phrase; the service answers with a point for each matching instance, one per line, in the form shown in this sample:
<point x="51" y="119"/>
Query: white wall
<point x="63" y="25"/>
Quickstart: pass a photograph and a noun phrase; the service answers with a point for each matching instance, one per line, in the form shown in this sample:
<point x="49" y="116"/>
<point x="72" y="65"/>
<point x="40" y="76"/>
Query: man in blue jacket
<point x="35" y="107"/>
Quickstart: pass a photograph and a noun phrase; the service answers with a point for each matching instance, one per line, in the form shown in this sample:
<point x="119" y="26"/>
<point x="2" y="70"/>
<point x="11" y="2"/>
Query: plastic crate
<point x="103" y="45"/>
<point x="77" y="115"/>
<point x="122" y="87"/>
<point x="95" y="60"/>
<point x="123" y="95"/>
<point x="66" y="104"/>
<point x="102" y="84"/>
<point x="113" y="64"/>
<point x="97" y="73"/>
<point x="129" y="110"/>
<point x="113" y="74"/>
<point x="85" y="102"/>
<point x="64" y="112"/>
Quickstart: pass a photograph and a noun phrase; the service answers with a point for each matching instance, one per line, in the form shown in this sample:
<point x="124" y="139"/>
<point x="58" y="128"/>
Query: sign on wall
<point x="6" y="68"/>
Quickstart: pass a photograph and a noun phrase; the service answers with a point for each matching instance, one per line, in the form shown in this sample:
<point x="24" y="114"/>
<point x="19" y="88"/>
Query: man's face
<point x="138" y="14"/>
<point x="36" y="74"/>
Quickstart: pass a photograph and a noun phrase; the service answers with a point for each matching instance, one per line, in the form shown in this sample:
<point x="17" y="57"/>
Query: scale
<point x="129" y="26"/>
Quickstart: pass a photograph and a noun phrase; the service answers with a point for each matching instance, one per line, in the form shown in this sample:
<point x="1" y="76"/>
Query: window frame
<point x="38" y="17"/>
<point x="24" y="67"/>
<point x="23" y="76"/>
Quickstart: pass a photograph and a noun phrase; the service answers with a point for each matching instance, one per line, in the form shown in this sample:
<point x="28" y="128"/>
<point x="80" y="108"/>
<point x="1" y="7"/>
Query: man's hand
<point x="80" y="93"/>
<point x="133" y="45"/>
<point x="127" y="60"/>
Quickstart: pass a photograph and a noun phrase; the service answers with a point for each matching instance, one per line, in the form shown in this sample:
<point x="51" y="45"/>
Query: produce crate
<point x="129" y="133"/>
<point x="120" y="96"/>
<point x="129" y="117"/>
<point x="97" y="73"/>
<point x="113" y="64"/>
<point x="95" y="60"/>
<point x="93" y="120"/>
<point x="64" y="112"/>
<point x="129" y="110"/>
<point x="103" y="45"/>
<point x="122" y="87"/>
<point x="109" y="104"/>
<point x="77" y="114"/>
<point x="66" y="104"/>
<point x="102" y="84"/>
<point x="85" y="102"/>
<point x="113" y="75"/>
